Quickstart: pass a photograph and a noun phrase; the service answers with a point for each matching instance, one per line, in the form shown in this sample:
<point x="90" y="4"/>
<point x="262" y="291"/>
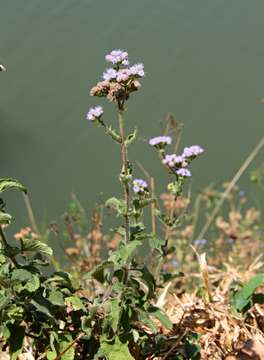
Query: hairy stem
<point x="124" y="169"/>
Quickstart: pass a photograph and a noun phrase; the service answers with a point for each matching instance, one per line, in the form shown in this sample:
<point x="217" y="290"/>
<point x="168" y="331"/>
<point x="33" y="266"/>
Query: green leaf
<point x="24" y="280"/>
<point x="5" y="218"/>
<point x="149" y="280"/>
<point x="125" y="252"/>
<point x="98" y="272"/>
<point x="74" y="302"/>
<point x="242" y="298"/>
<point x="41" y="305"/>
<point x="51" y="355"/>
<point x="64" y="342"/>
<point x="115" y="350"/>
<point x="161" y="316"/>
<point x="157" y="244"/>
<point x="191" y="347"/>
<point x="36" y="245"/>
<point x="131" y="137"/>
<point x="113" y="312"/>
<point x="9" y="183"/>
<point x="15" y="340"/>
<point x="117" y="205"/>
<point x="56" y="298"/>
<point x="144" y="318"/>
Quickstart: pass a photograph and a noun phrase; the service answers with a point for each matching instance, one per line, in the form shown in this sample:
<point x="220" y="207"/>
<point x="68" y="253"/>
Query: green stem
<point x="124" y="168"/>
<point x="3" y="238"/>
<point x="6" y="246"/>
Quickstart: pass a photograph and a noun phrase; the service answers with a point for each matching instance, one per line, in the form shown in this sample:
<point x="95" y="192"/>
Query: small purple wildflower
<point x="200" y="242"/>
<point x="192" y="151"/>
<point x="160" y="141"/>
<point x="117" y="57"/>
<point x="139" y="186"/>
<point x="123" y="75"/>
<point x="109" y="74"/>
<point x="173" y="159"/>
<point x="183" y="172"/>
<point x="137" y="70"/>
<point x="94" y="113"/>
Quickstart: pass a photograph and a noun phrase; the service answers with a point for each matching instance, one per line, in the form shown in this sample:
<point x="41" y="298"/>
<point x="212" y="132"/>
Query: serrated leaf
<point x="125" y="252"/>
<point x="36" y="245"/>
<point x="24" y="280"/>
<point x="243" y="297"/>
<point x="157" y="244"/>
<point x="161" y="316"/>
<point x="9" y="183"/>
<point x="117" y="205"/>
<point x="115" y="350"/>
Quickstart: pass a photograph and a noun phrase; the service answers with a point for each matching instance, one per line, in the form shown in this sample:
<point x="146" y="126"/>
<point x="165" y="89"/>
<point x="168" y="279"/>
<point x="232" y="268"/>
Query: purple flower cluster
<point x="120" y="80"/>
<point x="139" y="186"/>
<point x="124" y="74"/>
<point x="109" y="74"/>
<point x="117" y="57"/>
<point x="183" y="172"/>
<point x="137" y="70"/>
<point x="192" y="151"/>
<point x="173" y="159"/>
<point x="94" y="113"/>
<point x="160" y="141"/>
<point x="178" y="163"/>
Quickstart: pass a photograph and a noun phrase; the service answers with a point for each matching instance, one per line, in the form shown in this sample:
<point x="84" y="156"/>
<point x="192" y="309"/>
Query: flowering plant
<point x="130" y="284"/>
<point x="112" y="314"/>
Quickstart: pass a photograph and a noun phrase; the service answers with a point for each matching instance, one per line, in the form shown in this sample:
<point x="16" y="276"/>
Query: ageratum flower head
<point x="183" y="172"/>
<point x="139" y="186"/>
<point x="109" y="74"/>
<point x="160" y="141"/>
<point x="117" y="57"/>
<point x="192" y="151"/>
<point x="137" y="70"/>
<point x="120" y="80"/>
<point x="94" y="113"/>
<point x="174" y="160"/>
<point x="123" y="75"/>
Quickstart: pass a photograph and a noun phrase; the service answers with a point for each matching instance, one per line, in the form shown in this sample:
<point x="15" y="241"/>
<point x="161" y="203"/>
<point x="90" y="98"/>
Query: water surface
<point x="204" y="62"/>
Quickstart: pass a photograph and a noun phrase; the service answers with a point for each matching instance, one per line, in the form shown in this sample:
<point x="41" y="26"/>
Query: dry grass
<point x="221" y="331"/>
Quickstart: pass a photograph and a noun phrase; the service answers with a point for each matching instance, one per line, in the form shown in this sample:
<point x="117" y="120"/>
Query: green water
<point x="204" y="62"/>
